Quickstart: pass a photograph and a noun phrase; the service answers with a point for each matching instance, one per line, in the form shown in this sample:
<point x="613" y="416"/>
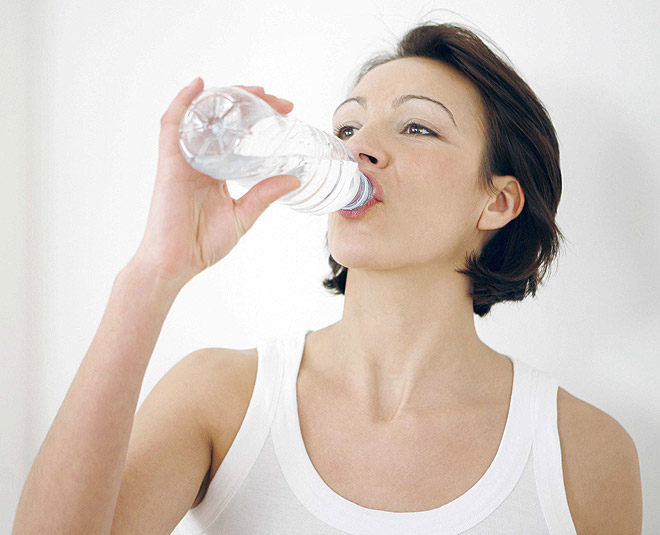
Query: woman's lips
<point x="354" y="214"/>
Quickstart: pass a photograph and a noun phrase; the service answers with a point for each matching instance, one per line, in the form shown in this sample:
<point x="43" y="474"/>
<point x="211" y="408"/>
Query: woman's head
<point x="472" y="185"/>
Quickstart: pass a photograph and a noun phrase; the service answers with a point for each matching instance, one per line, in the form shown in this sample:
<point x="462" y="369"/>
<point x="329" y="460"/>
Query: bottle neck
<point x="364" y="194"/>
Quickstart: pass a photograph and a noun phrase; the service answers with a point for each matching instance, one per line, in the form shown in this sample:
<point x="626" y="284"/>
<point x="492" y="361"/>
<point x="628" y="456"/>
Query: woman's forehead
<point x="386" y="83"/>
<point x="416" y="73"/>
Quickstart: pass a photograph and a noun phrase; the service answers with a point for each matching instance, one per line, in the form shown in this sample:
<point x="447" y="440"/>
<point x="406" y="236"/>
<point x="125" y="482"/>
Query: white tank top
<point x="267" y="484"/>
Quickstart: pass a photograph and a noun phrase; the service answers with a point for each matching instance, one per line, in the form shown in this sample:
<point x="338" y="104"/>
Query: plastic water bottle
<point x="228" y="133"/>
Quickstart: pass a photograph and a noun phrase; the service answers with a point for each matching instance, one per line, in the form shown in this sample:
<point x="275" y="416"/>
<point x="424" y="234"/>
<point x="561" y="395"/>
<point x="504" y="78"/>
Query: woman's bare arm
<point x="75" y="479"/>
<point x="180" y="436"/>
<point x="193" y="223"/>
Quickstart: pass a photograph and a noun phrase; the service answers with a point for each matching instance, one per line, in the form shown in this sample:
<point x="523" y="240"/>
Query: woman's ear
<point x="502" y="206"/>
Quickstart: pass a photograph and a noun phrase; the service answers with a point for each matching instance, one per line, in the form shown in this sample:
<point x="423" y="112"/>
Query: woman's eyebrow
<point x="397" y="102"/>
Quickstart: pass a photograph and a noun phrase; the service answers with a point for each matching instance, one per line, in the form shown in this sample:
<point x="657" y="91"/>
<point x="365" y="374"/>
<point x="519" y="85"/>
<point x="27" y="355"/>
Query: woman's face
<point x="429" y="170"/>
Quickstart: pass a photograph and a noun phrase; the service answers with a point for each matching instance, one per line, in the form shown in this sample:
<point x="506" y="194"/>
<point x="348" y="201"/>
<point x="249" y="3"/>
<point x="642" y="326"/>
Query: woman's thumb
<point x="253" y="203"/>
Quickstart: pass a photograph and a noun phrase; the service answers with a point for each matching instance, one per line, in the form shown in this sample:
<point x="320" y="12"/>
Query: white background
<point x="84" y="86"/>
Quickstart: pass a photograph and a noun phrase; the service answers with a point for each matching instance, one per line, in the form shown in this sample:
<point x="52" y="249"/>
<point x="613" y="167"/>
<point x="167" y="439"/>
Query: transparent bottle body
<point x="229" y="134"/>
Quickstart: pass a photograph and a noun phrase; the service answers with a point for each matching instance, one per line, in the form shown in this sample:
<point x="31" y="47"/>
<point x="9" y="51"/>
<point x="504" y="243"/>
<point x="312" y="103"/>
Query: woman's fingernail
<point x="193" y="82"/>
<point x="297" y="183"/>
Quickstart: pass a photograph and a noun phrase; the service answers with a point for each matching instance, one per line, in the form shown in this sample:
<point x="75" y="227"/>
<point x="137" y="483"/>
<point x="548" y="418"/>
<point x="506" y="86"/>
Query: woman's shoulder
<point x="225" y="379"/>
<point x="226" y="361"/>
<point x="214" y="374"/>
<point x="229" y="374"/>
<point x="601" y="469"/>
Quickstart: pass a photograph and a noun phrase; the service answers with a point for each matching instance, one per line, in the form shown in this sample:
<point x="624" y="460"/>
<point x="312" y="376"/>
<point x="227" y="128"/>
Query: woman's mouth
<point x="354" y="214"/>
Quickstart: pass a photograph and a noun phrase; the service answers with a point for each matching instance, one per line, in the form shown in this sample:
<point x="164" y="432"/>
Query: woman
<point x="395" y="419"/>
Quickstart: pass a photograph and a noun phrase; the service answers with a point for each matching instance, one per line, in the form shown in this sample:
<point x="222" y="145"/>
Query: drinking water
<point x="230" y="134"/>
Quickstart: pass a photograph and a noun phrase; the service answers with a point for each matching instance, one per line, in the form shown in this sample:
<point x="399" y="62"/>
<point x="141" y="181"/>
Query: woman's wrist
<point x="149" y="280"/>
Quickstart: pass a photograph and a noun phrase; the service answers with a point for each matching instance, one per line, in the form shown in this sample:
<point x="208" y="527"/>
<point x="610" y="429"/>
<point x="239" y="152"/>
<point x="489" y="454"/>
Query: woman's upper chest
<point x="414" y="463"/>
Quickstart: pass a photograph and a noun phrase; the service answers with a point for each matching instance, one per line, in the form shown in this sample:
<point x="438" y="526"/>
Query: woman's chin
<point x="358" y="257"/>
<point x="355" y="249"/>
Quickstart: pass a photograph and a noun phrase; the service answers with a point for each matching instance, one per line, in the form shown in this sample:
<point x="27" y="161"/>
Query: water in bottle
<point x="230" y="134"/>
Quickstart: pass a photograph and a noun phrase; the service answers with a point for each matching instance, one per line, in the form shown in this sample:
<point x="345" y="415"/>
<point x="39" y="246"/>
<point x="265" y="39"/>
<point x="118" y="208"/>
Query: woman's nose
<point x="363" y="151"/>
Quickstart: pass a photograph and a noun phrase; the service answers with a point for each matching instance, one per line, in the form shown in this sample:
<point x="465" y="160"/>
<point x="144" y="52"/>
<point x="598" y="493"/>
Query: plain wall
<point x="84" y="86"/>
<point x="16" y="381"/>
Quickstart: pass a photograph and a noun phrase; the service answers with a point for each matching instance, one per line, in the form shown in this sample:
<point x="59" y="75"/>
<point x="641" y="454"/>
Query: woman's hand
<point x="193" y="220"/>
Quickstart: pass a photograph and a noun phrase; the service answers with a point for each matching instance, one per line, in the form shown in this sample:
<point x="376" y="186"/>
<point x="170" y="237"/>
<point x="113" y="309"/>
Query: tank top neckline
<point x="454" y="517"/>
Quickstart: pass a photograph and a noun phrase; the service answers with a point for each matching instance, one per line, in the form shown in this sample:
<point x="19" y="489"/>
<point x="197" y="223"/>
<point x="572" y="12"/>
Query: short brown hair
<point x="520" y="141"/>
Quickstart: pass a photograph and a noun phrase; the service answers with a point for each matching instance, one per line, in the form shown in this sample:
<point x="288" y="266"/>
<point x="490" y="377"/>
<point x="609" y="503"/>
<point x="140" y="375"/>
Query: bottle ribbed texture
<point x="229" y="134"/>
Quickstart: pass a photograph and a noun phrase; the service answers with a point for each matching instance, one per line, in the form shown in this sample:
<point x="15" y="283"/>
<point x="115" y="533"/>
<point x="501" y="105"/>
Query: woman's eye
<point x="414" y="129"/>
<point x="416" y="126"/>
<point x="338" y="131"/>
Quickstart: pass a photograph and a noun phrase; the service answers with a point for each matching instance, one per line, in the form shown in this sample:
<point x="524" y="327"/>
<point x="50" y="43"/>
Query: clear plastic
<point x="228" y="133"/>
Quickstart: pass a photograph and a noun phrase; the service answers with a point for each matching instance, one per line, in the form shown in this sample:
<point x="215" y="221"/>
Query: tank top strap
<point x="548" y="470"/>
<point x="249" y="440"/>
